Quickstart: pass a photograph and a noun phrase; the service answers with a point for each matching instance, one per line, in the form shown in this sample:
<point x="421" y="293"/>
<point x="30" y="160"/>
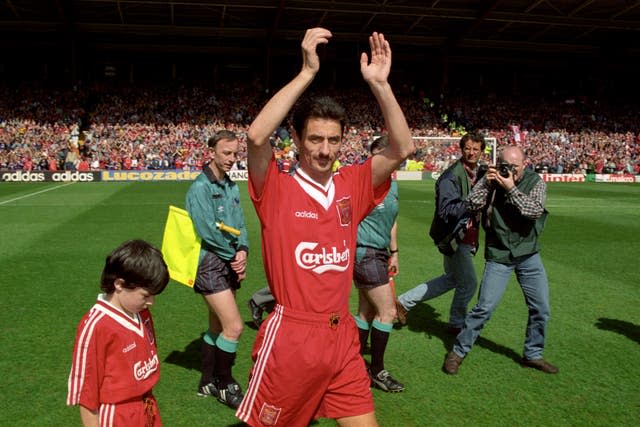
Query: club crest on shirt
<point x="269" y="414"/>
<point x="149" y="330"/>
<point x="344" y="211"/>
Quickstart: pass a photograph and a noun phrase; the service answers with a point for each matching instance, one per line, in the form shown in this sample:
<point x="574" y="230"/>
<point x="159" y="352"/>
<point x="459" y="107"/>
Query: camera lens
<point x="504" y="169"/>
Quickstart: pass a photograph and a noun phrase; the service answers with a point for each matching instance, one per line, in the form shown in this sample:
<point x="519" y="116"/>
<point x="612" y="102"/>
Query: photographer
<point x="511" y="199"/>
<point x="454" y="230"/>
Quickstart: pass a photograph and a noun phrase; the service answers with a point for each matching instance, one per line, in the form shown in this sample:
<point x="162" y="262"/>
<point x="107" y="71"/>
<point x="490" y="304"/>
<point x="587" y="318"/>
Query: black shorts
<point x="215" y="275"/>
<point x="372" y="270"/>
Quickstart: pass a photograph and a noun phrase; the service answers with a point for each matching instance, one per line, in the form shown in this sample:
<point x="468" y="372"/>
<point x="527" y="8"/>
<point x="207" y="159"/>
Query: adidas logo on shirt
<point x="306" y="214"/>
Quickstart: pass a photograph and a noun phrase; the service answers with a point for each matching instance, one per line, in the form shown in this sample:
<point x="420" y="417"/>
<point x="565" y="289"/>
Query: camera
<point x="482" y="170"/>
<point x="504" y="168"/>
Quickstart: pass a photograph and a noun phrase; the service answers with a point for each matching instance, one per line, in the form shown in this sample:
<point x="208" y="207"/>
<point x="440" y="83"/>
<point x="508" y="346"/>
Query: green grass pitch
<point x="55" y="237"/>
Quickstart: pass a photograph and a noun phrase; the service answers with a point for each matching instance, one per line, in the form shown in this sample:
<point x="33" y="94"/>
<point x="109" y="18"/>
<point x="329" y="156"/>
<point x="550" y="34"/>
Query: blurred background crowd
<point x="134" y="127"/>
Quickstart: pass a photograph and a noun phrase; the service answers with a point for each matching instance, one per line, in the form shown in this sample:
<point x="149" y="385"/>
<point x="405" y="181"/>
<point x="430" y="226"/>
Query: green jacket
<point x="209" y="201"/>
<point x="452" y="188"/>
<point x="508" y="234"/>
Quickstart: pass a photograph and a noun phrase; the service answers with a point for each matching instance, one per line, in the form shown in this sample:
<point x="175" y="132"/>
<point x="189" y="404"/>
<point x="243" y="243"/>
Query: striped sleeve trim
<point x="79" y="363"/>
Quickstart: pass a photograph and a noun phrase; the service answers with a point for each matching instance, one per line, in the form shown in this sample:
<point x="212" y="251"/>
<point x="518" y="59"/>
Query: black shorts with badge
<point x="372" y="270"/>
<point x="215" y="275"/>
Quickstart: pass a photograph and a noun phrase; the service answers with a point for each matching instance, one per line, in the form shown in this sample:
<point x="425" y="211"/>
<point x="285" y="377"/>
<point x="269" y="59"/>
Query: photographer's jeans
<point x="532" y="278"/>
<point x="458" y="269"/>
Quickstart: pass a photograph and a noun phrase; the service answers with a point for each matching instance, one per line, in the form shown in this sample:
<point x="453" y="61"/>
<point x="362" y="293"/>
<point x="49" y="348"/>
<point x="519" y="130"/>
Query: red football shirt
<point x="309" y="234"/>
<point x="114" y="357"/>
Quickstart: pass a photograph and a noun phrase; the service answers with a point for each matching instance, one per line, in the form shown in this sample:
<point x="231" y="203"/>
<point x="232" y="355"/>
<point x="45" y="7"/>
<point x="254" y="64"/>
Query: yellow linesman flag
<point x="181" y="246"/>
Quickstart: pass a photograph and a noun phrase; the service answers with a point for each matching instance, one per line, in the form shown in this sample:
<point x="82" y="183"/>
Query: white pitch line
<point x="36" y="193"/>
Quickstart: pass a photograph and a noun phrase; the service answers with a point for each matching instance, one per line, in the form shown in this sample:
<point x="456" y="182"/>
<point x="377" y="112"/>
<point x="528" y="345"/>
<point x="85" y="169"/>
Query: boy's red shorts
<point x="306" y="366"/>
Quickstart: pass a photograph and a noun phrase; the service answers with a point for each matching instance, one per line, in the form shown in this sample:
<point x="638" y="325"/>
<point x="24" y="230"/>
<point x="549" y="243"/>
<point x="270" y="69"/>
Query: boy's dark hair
<point x="322" y="107"/>
<point x="139" y="264"/>
<point x="221" y="134"/>
<point x="472" y="136"/>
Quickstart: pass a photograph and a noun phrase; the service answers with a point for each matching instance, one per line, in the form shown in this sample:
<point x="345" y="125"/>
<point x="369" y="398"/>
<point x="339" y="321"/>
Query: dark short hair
<point x="221" y="134"/>
<point x="139" y="264"/>
<point x="472" y="136"/>
<point x="323" y="107"/>
<point x="380" y="142"/>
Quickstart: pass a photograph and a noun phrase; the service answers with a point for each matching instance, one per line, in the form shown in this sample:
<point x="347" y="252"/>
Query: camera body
<point x="504" y="168"/>
<point x="482" y="170"/>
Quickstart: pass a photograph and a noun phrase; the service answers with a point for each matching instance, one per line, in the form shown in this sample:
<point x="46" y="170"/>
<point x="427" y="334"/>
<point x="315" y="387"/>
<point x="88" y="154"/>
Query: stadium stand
<point x="164" y="128"/>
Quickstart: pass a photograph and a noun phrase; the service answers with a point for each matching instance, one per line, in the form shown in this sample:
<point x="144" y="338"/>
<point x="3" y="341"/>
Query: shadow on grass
<point x="499" y="349"/>
<point x="622" y="327"/>
<point x="424" y="318"/>
<point x="189" y="358"/>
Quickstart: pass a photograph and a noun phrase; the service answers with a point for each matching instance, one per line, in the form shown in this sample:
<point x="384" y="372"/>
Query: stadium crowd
<point x="106" y="127"/>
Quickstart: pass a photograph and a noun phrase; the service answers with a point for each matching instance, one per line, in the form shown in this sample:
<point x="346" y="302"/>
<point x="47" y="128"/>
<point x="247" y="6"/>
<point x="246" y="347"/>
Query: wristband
<point x="393" y="251"/>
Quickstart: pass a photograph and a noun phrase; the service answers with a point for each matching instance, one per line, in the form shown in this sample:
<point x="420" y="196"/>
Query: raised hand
<point x="376" y="71"/>
<point x="312" y="38"/>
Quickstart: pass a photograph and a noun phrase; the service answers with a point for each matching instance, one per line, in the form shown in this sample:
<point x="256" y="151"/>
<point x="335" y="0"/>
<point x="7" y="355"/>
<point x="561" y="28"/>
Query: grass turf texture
<point x="53" y="249"/>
